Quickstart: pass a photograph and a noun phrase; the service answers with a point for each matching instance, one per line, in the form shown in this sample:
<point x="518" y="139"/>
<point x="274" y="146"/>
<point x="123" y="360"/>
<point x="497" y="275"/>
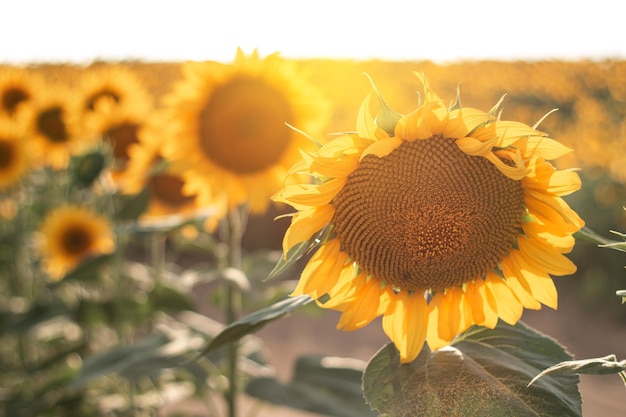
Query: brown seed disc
<point x="428" y="215"/>
<point x="242" y="127"/>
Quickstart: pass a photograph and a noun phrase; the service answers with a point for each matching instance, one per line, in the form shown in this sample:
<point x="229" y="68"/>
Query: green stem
<point x="233" y="301"/>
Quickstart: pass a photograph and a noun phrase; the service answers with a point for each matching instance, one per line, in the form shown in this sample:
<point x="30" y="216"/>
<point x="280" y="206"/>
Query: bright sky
<point x="437" y="30"/>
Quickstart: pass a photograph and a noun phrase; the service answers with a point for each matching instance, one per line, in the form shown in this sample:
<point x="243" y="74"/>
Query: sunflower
<point x="229" y="128"/>
<point x="147" y="168"/>
<point x="53" y="125"/>
<point x="119" y="128"/>
<point x="103" y="87"/>
<point x="15" y="153"/>
<point x="435" y="220"/>
<point x="18" y="86"/>
<point x="70" y="235"/>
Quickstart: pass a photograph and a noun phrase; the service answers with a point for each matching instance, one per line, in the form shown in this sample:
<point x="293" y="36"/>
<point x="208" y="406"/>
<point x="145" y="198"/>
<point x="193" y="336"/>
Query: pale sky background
<point x="438" y="30"/>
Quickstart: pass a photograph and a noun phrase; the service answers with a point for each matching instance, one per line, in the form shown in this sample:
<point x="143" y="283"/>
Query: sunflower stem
<point x="233" y="301"/>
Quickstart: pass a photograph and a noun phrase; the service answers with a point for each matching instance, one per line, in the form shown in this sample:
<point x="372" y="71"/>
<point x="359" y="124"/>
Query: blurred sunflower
<point x="52" y="122"/>
<point x="147" y="168"/>
<point x="119" y="128"/>
<point x="18" y="85"/>
<point x="228" y="127"/>
<point x="436" y="220"/>
<point x="110" y="86"/>
<point x="15" y="153"/>
<point x="69" y="236"/>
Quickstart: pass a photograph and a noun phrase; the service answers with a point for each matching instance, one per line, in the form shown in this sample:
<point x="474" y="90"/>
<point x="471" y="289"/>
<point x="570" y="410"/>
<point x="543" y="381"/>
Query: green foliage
<point x="320" y="384"/>
<point x="484" y="372"/>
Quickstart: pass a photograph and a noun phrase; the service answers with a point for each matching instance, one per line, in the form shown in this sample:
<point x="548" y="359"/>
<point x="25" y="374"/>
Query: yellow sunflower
<point x="69" y="236"/>
<point x="106" y="86"/>
<point x="229" y="128"/>
<point x="18" y="85"/>
<point x="147" y="168"/>
<point x="15" y="153"/>
<point x="52" y="122"/>
<point x="119" y="128"/>
<point x="435" y="220"/>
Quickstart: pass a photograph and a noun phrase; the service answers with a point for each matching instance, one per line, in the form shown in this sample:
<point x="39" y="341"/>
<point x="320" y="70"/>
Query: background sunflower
<point x="69" y="235"/>
<point x="229" y="127"/>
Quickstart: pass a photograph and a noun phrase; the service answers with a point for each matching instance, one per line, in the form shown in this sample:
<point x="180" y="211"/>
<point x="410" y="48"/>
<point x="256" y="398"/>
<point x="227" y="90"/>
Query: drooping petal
<point x="405" y="323"/>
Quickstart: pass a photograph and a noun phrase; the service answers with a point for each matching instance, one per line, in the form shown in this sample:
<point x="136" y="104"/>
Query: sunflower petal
<point x="305" y="224"/>
<point x="405" y="323"/>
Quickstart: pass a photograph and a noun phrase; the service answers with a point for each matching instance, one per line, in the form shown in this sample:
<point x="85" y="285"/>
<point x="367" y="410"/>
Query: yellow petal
<point x="541" y="146"/>
<point x="513" y="172"/>
<point x="472" y="146"/>
<point x="540" y="284"/>
<point x="482" y="303"/>
<point x="364" y="308"/>
<point x="443" y="319"/>
<point x="313" y="194"/>
<point x="518" y="285"/>
<point x="508" y="305"/>
<point x="405" y="324"/>
<point x="365" y="122"/>
<point x="335" y="167"/>
<point x="322" y="271"/>
<point x="547" y="257"/>
<point x="305" y="224"/>
<point x="344" y="145"/>
<point x="382" y="147"/>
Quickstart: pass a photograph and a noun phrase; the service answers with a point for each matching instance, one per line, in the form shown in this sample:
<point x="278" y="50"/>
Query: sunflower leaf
<point x="484" y="372"/>
<point x="596" y="366"/>
<point x="320" y="384"/>
<point x="285" y="262"/>
<point x="132" y="206"/>
<point x="253" y="322"/>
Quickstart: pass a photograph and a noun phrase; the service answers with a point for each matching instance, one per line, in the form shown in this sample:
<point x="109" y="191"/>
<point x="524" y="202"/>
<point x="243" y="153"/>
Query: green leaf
<point x="146" y="357"/>
<point x="484" y="373"/>
<point x="255" y="321"/>
<point x="320" y="384"/>
<point x="130" y="207"/>
<point x="291" y="257"/>
<point x="166" y="298"/>
<point x="589" y="235"/>
<point x="88" y="270"/>
<point x="596" y="366"/>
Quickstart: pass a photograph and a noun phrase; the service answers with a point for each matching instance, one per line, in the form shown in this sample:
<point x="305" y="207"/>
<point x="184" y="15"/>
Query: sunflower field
<point x="154" y="217"/>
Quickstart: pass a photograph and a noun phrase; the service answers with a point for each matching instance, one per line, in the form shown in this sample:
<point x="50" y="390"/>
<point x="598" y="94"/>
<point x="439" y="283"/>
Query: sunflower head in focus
<point x="437" y="220"/>
<point x="229" y="127"/>
<point x="69" y="236"/>
<point x="18" y="86"/>
<point x="15" y="153"/>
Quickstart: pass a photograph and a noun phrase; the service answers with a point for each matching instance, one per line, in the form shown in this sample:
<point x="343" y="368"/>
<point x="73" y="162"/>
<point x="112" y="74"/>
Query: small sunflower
<point x="435" y="220"/>
<point x="110" y="86"/>
<point x="15" y="153"/>
<point x="119" y="128"/>
<point x="70" y="235"/>
<point x="18" y="86"/>
<point x="147" y="168"/>
<point x="229" y="128"/>
<point x="52" y="122"/>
